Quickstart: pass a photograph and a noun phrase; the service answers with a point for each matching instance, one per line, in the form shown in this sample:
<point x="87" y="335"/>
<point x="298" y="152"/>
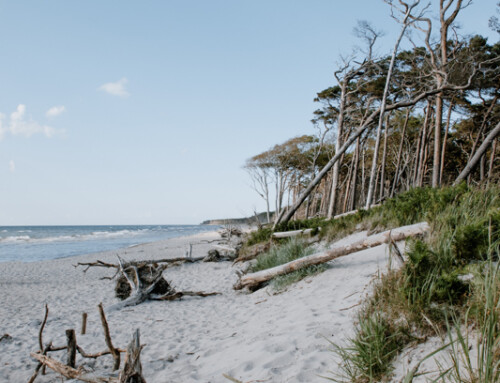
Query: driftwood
<point x="107" y="337"/>
<point x="40" y="364"/>
<point x="132" y="370"/>
<point x="255" y="279"/>
<point x="178" y="260"/>
<point x="69" y="369"/>
<point x="84" y="323"/>
<point x="293" y="233"/>
<point x="71" y="348"/>
<point x="70" y="372"/>
<point x="141" y="282"/>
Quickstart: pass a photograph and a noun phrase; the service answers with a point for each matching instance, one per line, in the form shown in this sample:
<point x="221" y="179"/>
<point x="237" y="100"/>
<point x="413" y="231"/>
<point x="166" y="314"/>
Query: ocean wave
<point x="16" y="238"/>
<point x="96" y="235"/>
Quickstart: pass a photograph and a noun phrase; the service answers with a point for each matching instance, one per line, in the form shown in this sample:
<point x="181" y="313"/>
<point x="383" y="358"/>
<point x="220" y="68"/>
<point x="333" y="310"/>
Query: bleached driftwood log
<point x="399" y="234"/>
<point x="293" y="233"/>
<point x="353" y="212"/>
<point x="69" y="372"/>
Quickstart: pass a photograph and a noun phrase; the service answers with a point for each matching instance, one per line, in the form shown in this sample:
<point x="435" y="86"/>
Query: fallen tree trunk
<point x="255" y="279"/>
<point x="480" y="152"/>
<point x="293" y="233"/>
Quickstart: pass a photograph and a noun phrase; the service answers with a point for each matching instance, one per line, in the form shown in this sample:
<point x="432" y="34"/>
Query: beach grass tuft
<point x="290" y="250"/>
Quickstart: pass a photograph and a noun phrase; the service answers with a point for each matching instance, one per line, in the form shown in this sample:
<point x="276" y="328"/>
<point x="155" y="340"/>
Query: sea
<point x="38" y="243"/>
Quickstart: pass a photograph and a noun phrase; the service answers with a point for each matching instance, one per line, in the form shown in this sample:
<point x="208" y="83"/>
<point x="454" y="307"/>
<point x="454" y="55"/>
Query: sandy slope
<point x="259" y="336"/>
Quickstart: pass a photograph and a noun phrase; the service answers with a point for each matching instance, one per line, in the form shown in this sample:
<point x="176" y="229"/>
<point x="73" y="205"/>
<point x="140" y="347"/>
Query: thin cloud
<point x="55" y="111"/>
<point x="12" y="166"/>
<point x="18" y="125"/>
<point x="116" y="88"/>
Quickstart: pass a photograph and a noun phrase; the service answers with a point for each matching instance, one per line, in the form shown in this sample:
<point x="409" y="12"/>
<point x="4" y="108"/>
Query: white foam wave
<point x="16" y="238"/>
<point x="96" y="235"/>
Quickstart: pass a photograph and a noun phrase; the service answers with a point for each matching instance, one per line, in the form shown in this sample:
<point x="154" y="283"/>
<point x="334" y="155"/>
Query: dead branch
<point x="139" y="263"/>
<point x="96" y="355"/>
<point x="107" y="337"/>
<point x="95" y="264"/>
<point x="255" y="279"/>
<point x="179" y="294"/>
<point x="40" y="333"/>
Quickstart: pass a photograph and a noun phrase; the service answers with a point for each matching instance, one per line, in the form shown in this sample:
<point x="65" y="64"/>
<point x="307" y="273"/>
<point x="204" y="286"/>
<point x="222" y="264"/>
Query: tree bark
<point x="255" y="279"/>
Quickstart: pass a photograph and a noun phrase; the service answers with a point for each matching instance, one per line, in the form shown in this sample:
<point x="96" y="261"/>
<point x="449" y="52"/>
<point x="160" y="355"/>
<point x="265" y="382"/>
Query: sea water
<point x="37" y="243"/>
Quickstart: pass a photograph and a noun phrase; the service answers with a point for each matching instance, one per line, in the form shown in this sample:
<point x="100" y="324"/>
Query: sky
<point x="144" y="112"/>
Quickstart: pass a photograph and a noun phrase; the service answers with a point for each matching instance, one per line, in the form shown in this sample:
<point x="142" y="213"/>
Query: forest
<point x="425" y="114"/>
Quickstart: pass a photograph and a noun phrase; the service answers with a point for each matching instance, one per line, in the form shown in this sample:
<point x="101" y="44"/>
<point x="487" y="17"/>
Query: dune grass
<point x="449" y="274"/>
<point x="367" y="356"/>
<point x="290" y="250"/>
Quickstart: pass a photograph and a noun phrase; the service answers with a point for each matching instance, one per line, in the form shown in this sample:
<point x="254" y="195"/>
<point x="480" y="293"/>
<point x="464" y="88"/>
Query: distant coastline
<point x="262" y="217"/>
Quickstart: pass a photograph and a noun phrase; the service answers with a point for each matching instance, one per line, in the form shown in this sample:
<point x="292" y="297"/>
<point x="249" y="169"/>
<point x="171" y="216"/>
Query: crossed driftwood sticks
<point x="132" y="369"/>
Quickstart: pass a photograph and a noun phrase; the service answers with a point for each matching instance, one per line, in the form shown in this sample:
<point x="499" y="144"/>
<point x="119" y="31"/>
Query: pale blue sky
<point x="143" y="112"/>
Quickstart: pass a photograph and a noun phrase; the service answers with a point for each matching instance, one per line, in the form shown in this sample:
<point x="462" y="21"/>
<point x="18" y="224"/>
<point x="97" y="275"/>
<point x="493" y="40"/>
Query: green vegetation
<point x="367" y="356"/>
<point x="452" y="273"/>
<point x="292" y="249"/>
<point x="258" y="236"/>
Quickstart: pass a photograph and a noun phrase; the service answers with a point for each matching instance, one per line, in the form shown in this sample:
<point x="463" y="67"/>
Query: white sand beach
<point x="258" y="337"/>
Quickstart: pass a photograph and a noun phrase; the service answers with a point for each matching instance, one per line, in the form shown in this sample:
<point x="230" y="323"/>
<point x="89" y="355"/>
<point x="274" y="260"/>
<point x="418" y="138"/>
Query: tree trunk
<point x="445" y="139"/>
<point x="400" y="153"/>
<point x="437" y="141"/>
<point x="406" y="22"/>
<point x="492" y="161"/>
<point x="477" y="157"/>
<point x="384" y="157"/>
<point x="338" y="142"/>
<point x="255" y="279"/>
<point x="423" y="145"/>
<point x="355" y="176"/>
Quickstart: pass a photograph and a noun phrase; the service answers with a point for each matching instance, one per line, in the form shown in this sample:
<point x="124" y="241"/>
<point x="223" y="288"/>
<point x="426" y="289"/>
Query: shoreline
<point x="279" y="337"/>
<point x="64" y="247"/>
